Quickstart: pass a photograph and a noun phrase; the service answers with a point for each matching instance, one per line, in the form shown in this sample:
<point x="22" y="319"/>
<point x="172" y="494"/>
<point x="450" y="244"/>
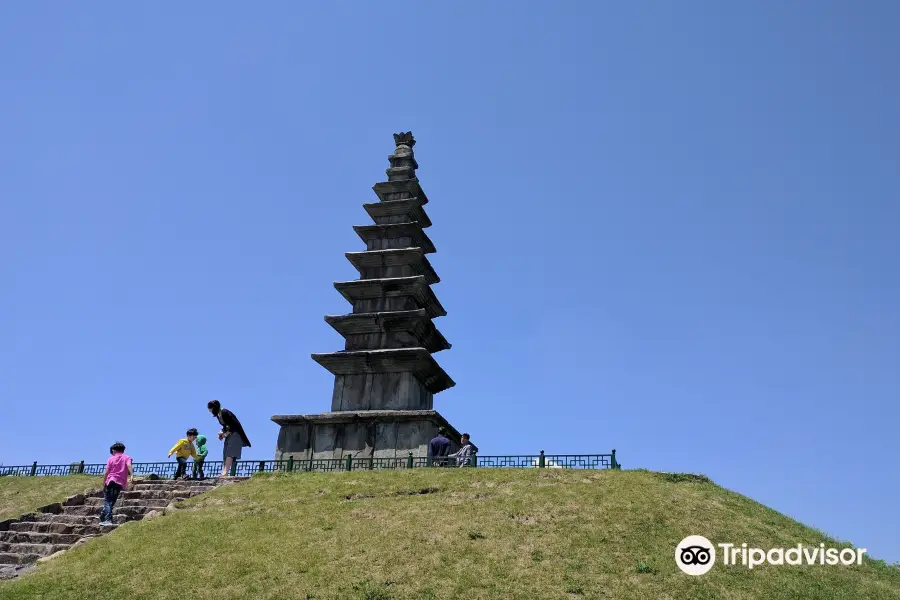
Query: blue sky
<point x="665" y="230"/>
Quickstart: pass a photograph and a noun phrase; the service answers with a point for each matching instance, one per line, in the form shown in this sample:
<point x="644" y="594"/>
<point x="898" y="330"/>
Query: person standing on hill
<point x="439" y="447"/>
<point x="182" y="450"/>
<point x="202" y="451"/>
<point x="232" y="432"/>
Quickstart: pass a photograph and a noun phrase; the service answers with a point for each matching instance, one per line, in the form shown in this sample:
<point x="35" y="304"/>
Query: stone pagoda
<point x="385" y="378"/>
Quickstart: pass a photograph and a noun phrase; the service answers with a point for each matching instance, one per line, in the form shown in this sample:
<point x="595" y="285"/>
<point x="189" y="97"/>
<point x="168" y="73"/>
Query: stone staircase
<point x="60" y="526"/>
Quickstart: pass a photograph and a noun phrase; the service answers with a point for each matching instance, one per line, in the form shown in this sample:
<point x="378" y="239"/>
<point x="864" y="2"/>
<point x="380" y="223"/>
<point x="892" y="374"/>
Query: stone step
<point x="14" y="558"/>
<point x="146" y="502"/>
<point x="11" y="571"/>
<point x="31" y="549"/>
<point x="60" y="528"/>
<point x="155" y="483"/>
<point x="156" y="493"/>
<point x="76" y="519"/>
<point x="94" y="511"/>
<point x="97" y="503"/>
<point x="35" y="537"/>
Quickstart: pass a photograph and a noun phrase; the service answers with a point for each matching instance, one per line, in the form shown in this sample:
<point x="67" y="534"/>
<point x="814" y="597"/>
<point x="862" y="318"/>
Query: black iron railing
<point x="245" y="468"/>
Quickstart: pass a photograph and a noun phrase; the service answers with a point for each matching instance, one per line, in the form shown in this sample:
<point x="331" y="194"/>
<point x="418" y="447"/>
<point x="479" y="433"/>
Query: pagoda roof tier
<point x="404" y="185"/>
<point x="392" y="208"/>
<point x="415" y="322"/>
<point x="396" y="230"/>
<point x="415" y="287"/>
<point x="417" y="361"/>
<point x="413" y="257"/>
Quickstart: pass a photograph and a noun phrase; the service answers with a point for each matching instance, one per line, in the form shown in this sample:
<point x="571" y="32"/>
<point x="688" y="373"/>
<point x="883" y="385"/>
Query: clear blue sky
<point x="666" y="230"/>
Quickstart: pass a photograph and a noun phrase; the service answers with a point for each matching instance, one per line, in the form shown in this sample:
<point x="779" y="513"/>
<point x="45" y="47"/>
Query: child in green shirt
<point x="202" y="451"/>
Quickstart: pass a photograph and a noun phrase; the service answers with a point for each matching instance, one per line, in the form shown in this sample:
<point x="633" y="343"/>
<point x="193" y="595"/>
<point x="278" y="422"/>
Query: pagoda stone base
<point x="370" y="433"/>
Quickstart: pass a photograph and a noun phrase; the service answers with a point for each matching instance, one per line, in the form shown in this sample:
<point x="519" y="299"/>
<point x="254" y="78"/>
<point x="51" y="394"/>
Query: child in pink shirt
<point x="119" y="473"/>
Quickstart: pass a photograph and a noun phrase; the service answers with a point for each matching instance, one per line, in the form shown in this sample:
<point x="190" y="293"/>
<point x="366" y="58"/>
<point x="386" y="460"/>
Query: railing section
<point x="246" y="468"/>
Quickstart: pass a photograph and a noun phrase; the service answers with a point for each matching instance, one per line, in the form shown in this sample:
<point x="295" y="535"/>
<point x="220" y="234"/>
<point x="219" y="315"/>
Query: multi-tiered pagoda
<point x="385" y="378"/>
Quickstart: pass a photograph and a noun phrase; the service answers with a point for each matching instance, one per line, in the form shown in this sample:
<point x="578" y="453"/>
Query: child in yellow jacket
<point x="183" y="449"/>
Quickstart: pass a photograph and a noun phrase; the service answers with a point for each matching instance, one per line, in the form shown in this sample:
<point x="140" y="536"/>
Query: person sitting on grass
<point x="202" y="451"/>
<point x="119" y="475"/>
<point x="183" y="449"/>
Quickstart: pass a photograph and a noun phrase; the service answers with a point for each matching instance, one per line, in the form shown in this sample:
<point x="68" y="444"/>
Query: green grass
<point x="20" y="495"/>
<point x="442" y="534"/>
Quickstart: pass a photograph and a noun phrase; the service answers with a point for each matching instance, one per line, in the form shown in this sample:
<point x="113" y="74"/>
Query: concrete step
<point x="14" y="558"/>
<point x="30" y="549"/>
<point x="36" y="537"/>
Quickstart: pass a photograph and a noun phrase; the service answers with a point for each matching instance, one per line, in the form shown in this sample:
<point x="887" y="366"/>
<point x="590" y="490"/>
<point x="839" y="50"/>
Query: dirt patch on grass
<point x="683" y="478"/>
<point x="354" y="497"/>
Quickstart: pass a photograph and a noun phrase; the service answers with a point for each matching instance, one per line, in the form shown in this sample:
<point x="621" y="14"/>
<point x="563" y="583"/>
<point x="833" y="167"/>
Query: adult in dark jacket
<point x="232" y="432"/>
<point x="438" y="448"/>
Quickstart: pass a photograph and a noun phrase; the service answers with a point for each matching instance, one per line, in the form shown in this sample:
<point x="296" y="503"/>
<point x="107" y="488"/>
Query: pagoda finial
<point x="405" y="139"/>
<point x="403" y="162"/>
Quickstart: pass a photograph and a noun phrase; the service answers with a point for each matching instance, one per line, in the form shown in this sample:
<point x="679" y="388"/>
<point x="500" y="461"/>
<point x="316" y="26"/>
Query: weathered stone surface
<point x="401" y="262"/>
<point x="54" y="508"/>
<point x="395" y="236"/>
<point x="417" y="361"/>
<point x="400" y="190"/>
<point x="378" y="433"/>
<point x="415" y="288"/>
<point x="398" y="211"/>
<point x="401" y="329"/>
<point x="392" y="391"/>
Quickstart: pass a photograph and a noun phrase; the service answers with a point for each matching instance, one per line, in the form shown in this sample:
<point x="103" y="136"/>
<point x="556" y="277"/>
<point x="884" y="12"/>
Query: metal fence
<point x="245" y="468"/>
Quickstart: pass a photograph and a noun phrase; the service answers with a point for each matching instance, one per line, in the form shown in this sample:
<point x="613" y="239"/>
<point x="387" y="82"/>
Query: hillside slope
<point x="478" y="534"/>
<point x="19" y="495"/>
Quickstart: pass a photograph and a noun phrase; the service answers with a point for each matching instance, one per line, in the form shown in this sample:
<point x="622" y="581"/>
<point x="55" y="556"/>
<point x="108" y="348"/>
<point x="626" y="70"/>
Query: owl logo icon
<point x="695" y="555"/>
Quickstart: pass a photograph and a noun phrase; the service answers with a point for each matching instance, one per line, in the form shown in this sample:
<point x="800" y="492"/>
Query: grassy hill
<point x="429" y="534"/>
<point x="19" y="495"/>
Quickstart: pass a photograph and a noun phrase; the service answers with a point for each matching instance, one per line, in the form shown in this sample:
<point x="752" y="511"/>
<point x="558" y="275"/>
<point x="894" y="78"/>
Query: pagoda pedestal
<point x="385" y="379"/>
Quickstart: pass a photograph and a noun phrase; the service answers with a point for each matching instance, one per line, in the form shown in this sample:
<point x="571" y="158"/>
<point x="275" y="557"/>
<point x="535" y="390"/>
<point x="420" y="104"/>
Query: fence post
<point x="474" y="460"/>
<point x="233" y="468"/>
<point x="81" y="468"/>
<point x="262" y="466"/>
<point x="613" y="462"/>
<point x="348" y="463"/>
<point x="290" y="463"/>
<point x="541" y="460"/>
<point x="409" y="461"/>
<point x="33" y="468"/>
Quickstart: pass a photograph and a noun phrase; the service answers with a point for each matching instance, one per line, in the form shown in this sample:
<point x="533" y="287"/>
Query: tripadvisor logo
<point x="696" y="555"/>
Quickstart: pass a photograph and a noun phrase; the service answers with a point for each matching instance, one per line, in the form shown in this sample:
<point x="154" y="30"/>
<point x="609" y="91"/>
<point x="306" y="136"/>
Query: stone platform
<point x="363" y="434"/>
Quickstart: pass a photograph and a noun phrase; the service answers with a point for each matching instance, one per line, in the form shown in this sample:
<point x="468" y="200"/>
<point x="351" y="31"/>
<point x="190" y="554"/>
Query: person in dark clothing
<point x="439" y="447"/>
<point x="232" y="432"/>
